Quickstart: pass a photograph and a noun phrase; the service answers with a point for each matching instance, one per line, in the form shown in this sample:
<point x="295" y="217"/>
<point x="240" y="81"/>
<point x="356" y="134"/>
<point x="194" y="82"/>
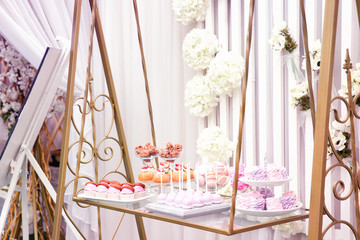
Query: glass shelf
<point x="215" y="222"/>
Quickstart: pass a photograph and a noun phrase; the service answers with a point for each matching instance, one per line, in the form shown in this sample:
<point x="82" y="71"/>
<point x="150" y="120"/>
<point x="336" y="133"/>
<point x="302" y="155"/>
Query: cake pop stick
<point x="216" y="171"/>
<point x="179" y="176"/>
<point x="197" y="180"/>
<point x="206" y="182"/>
<point x="161" y="183"/>
<point x="188" y="176"/>
<point x="171" y="179"/>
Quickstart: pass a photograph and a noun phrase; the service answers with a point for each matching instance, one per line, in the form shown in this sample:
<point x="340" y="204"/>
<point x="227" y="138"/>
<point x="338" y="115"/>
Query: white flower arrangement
<point x="340" y="135"/>
<point x="187" y="11"/>
<point x="199" y="48"/>
<point x="355" y="85"/>
<point x="213" y="145"/>
<point x="281" y="38"/>
<point x="300" y="96"/>
<point x="290" y="228"/>
<point x="199" y="97"/>
<point x="315" y="56"/>
<point x="225" y="72"/>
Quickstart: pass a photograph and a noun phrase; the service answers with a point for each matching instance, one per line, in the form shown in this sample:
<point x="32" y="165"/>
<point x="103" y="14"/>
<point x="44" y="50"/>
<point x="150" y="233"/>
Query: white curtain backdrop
<point x="273" y="127"/>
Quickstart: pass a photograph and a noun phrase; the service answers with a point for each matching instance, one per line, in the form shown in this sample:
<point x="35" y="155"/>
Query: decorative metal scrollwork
<point x="340" y="190"/>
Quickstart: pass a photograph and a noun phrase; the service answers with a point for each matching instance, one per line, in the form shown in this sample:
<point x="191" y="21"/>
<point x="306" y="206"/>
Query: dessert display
<point x="189" y="199"/>
<point x="162" y="176"/>
<point x="270" y="172"/>
<point x="180" y="173"/>
<point x="146" y="151"/>
<point x="212" y="177"/>
<point x="267" y="202"/>
<point x="263" y="202"/>
<point x="115" y="190"/>
<point x="270" y="175"/>
<point x="101" y="190"/>
<point x="147" y="173"/>
<point x="171" y="151"/>
<point x="90" y="189"/>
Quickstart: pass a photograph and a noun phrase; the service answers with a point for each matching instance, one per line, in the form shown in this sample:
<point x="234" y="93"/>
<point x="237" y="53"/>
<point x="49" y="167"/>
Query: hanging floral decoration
<point x="199" y="48"/>
<point x="57" y="105"/>
<point x="213" y="145"/>
<point x="340" y="135"/>
<point x="225" y="73"/>
<point x="315" y="56"/>
<point x="199" y="97"/>
<point x="355" y="85"/>
<point x="300" y="96"/>
<point x="281" y="38"/>
<point x="15" y="81"/>
<point x="187" y="11"/>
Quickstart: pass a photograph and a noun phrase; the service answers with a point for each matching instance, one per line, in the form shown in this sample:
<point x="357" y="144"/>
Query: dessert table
<point x="217" y="222"/>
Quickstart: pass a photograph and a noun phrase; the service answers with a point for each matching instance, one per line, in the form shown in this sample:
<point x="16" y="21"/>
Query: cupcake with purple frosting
<point x="257" y="203"/>
<point x="258" y="174"/>
<point x="266" y="192"/>
<point x="287" y="202"/>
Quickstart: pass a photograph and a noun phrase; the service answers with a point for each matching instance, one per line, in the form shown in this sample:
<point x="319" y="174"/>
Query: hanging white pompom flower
<point x="213" y="145"/>
<point x="199" y="97"/>
<point x="199" y="48"/>
<point x="187" y="11"/>
<point x="315" y="55"/>
<point x="225" y="72"/>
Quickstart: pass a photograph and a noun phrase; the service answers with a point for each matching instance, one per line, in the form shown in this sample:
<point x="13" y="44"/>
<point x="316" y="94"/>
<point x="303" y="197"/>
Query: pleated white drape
<point x="273" y="127"/>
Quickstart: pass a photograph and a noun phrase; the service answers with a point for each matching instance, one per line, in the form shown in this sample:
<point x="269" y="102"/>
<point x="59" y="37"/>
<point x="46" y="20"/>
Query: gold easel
<point x="317" y="205"/>
<point x="68" y="113"/>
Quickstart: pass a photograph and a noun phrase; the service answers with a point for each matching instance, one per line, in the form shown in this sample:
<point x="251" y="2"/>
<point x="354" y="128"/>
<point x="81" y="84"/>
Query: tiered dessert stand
<point x="265" y="184"/>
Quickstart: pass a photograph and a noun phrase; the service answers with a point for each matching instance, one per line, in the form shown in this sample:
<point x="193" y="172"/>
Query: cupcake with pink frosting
<point x="243" y="202"/>
<point x="90" y="188"/>
<point x="102" y="190"/>
<point x="127" y="192"/>
<point x="273" y="204"/>
<point x="139" y="190"/>
<point x="114" y="191"/>
<point x="276" y="172"/>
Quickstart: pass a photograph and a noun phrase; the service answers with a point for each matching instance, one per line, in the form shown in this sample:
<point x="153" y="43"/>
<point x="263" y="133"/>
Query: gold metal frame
<point x="89" y="107"/>
<point x="317" y="204"/>
<point x="116" y="118"/>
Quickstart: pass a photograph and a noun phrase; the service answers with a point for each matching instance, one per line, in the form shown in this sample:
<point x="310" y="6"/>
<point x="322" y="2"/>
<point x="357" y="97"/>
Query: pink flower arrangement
<point x="241" y="185"/>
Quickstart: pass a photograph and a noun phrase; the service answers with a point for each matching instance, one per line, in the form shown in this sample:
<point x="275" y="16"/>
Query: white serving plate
<point x="269" y="213"/>
<point x="187" y="213"/>
<point x="269" y="183"/>
<point x="109" y="200"/>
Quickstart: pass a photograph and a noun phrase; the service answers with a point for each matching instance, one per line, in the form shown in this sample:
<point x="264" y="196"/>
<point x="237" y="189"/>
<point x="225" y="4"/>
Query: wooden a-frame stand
<point x="68" y="114"/>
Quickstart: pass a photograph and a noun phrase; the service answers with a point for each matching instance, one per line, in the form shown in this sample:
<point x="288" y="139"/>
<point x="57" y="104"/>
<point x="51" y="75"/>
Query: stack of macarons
<point x="215" y="176"/>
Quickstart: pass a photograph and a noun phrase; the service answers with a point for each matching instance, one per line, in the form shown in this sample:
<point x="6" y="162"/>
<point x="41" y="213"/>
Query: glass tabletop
<point x="214" y="218"/>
